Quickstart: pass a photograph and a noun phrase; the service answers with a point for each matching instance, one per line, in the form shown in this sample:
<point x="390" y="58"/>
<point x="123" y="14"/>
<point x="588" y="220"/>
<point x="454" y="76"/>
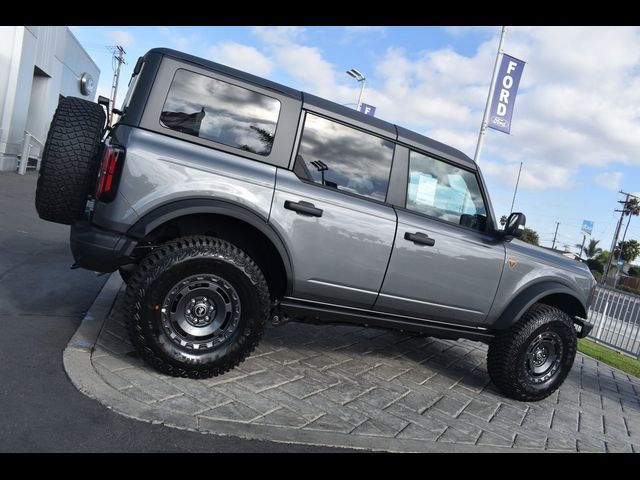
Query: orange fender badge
<point x="512" y="262"/>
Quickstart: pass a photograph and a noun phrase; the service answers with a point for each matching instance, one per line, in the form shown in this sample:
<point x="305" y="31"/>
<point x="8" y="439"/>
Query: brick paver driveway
<point x="370" y="388"/>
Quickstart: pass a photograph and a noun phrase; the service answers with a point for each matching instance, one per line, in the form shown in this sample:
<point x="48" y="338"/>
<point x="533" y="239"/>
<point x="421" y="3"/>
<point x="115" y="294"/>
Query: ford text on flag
<point x="504" y="93"/>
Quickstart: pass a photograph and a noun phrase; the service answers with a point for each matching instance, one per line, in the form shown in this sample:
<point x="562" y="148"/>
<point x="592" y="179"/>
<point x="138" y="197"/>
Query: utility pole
<point x="584" y="239"/>
<point x="555" y="235"/>
<point x="607" y="267"/>
<point x="118" y="58"/>
<point x="516" y="189"/>
<point x="485" y="118"/>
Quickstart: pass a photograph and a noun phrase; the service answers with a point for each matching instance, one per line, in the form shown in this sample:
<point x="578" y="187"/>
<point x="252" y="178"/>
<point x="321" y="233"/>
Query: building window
<point x="341" y="157"/>
<point x="215" y="110"/>
<point x="443" y="191"/>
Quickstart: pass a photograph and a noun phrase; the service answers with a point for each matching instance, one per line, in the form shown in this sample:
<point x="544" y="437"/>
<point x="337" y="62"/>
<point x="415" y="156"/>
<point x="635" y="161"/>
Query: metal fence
<point x="616" y="319"/>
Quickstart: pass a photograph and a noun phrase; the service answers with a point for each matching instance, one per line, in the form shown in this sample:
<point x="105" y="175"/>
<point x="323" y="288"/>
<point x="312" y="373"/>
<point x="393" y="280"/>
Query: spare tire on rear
<point x="69" y="165"/>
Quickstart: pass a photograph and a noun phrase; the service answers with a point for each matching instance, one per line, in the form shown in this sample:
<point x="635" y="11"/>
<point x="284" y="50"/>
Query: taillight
<point x="109" y="173"/>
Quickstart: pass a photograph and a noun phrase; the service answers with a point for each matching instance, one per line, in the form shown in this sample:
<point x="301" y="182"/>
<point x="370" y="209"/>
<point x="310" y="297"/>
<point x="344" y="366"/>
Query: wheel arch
<point x="230" y="221"/>
<point x="550" y="293"/>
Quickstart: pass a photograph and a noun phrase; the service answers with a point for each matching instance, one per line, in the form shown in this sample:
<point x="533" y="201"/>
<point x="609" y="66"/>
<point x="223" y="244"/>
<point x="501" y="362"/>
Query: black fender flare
<point x="184" y="207"/>
<point x="530" y="295"/>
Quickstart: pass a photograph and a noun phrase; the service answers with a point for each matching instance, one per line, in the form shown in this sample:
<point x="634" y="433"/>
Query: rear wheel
<point x="531" y="360"/>
<point x="69" y="165"/>
<point x="195" y="307"/>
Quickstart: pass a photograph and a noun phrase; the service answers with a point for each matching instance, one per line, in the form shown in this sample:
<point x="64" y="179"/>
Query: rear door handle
<point x="419" y="238"/>
<point x="304" y="208"/>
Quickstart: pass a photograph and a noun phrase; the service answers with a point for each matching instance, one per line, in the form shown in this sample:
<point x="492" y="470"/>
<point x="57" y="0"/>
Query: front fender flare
<point x="530" y="295"/>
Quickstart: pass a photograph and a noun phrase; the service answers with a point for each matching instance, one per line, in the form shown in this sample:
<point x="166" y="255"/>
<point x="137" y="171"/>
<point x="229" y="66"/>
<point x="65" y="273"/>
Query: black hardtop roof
<point x="322" y="105"/>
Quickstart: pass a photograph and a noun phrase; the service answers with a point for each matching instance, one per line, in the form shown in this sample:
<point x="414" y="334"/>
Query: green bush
<point x="634" y="272"/>
<point x="595" y="265"/>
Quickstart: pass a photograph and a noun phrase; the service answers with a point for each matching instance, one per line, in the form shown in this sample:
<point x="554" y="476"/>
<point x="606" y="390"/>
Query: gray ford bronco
<point x="225" y="199"/>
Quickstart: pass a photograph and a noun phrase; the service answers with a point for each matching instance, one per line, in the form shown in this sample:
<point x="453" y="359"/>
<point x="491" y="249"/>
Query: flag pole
<point x="485" y="118"/>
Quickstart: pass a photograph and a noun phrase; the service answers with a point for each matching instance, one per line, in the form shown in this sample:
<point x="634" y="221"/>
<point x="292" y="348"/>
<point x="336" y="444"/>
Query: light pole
<point x="360" y="78"/>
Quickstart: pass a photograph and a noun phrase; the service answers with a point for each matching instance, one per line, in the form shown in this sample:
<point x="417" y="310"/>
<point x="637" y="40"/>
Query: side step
<point x="307" y="310"/>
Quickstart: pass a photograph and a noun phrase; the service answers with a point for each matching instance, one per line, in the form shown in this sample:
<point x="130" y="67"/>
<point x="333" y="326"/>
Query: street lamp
<point x="360" y="78"/>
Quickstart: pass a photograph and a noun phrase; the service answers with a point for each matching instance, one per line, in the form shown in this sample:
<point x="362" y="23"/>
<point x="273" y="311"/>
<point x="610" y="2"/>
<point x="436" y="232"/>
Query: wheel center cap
<point x="540" y="355"/>
<point x="200" y="310"/>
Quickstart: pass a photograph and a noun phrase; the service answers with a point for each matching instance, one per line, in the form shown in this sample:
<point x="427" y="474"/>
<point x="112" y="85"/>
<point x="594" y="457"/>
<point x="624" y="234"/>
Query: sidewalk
<point x="356" y="387"/>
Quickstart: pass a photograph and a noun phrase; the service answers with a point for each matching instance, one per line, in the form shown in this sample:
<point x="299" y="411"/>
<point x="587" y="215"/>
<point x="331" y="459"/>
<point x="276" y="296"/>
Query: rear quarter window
<point x="219" y="111"/>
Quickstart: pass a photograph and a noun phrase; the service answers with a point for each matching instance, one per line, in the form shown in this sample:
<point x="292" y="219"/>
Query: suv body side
<point x="355" y="255"/>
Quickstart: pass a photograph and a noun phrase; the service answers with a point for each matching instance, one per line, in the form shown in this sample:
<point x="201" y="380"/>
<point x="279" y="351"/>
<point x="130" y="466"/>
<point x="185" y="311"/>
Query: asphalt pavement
<point x="42" y="302"/>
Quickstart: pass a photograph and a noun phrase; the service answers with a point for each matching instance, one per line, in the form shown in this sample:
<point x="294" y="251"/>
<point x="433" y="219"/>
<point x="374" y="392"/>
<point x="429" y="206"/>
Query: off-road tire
<point x="508" y="360"/>
<point x="151" y="284"/>
<point x="69" y="165"/>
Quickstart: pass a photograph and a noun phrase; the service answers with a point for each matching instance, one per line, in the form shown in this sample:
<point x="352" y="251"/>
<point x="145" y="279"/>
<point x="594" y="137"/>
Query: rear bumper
<point x="100" y="250"/>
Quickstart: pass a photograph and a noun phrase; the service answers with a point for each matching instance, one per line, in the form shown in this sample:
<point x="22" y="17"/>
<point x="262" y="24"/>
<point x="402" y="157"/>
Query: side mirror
<point x="514" y="227"/>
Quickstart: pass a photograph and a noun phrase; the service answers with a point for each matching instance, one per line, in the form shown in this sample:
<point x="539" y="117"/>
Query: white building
<point x="38" y="65"/>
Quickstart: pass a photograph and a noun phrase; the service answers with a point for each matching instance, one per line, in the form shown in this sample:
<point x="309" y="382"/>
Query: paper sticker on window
<point x="426" y="192"/>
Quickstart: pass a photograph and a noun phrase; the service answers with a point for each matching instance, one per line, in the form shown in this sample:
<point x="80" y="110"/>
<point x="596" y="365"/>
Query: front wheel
<point x="196" y="307"/>
<point x="530" y="361"/>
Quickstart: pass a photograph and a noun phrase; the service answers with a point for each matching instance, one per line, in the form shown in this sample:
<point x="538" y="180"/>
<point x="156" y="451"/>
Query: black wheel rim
<point x="200" y="312"/>
<point x="544" y="356"/>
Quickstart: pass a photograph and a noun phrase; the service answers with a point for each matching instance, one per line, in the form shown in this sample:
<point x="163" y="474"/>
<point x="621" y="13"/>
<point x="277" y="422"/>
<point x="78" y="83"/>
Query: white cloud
<point x="578" y="104"/>
<point x="242" y="57"/>
<point x="609" y="180"/>
<point x="121" y="37"/>
<point x="278" y="35"/>
<point x="176" y="38"/>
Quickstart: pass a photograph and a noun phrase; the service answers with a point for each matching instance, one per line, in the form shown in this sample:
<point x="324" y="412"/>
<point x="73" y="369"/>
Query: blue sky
<point x="576" y="124"/>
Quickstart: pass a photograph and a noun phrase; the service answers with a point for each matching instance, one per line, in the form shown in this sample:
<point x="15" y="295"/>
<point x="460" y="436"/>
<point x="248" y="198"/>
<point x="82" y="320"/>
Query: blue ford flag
<point x="368" y="109"/>
<point x="504" y="93"/>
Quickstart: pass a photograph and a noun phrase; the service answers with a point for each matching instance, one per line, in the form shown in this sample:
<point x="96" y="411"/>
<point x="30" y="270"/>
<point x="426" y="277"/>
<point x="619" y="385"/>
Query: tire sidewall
<point x="181" y="357"/>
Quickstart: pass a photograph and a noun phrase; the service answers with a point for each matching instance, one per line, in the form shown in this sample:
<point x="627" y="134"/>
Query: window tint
<point x="441" y="190"/>
<point x="344" y="158"/>
<point x="218" y="111"/>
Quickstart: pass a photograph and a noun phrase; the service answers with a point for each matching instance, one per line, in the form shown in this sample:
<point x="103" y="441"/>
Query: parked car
<point x="225" y="199"/>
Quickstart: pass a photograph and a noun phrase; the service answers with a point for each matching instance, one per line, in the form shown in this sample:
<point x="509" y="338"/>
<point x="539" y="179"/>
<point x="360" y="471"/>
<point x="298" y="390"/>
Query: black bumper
<point x="100" y="250"/>
<point x="585" y="327"/>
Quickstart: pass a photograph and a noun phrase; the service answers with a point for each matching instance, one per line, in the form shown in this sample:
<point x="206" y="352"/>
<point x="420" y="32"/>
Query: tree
<point x="628" y="250"/>
<point x="503" y="220"/>
<point x="603" y="256"/>
<point x="632" y="208"/>
<point x="591" y="250"/>
<point x="530" y="236"/>
<point x="595" y="265"/>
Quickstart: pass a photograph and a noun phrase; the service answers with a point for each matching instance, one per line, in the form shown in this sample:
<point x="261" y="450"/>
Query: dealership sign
<point x="587" y="226"/>
<point x="504" y="93"/>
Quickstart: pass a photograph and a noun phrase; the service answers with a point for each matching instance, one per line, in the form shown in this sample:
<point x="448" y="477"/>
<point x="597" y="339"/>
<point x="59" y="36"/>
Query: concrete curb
<point x="78" y="364"/>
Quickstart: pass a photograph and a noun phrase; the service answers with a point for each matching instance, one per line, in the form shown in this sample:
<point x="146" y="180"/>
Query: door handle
<point x="304" y="208"/>
<point x="419" y="238"/>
